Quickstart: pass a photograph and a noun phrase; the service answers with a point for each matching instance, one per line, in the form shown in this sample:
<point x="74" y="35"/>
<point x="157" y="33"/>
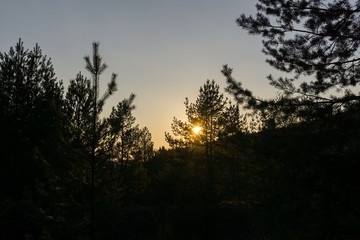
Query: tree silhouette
<point x="217" y="118"/>
<point x="301" y="167"/>
<point x="145" y="146"/>
<point x="55" y="149"/>
<point x="123" y="129"/>
<point x="207" y="113"/>
<point x="127" y="140"/>
<point x="96" y="68"/>
<point x="31" y="127"/>
<point x="78" y="109"/>
<point x="316" y="41"/>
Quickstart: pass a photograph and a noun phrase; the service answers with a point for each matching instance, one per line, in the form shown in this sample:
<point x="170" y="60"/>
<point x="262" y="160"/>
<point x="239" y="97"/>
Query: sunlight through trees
<point x="197" y="129"/>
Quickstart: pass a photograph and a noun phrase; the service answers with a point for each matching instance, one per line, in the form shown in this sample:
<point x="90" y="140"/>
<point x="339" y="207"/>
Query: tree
<point x="216" y="119"/>
<point x="209" y="113"/>
<point x="145" y="146"/>
<point x="124" y="139"/>
<point x="314" y="40"/>
<point x="78" y="109"/>
<point x="127" y="147"/>
<point x="96" y="68"/>
<point x="122" y="130"/>
<point x="315" y="44"/>
<point x="76" y="178"/>
<point x="31" y="128"/>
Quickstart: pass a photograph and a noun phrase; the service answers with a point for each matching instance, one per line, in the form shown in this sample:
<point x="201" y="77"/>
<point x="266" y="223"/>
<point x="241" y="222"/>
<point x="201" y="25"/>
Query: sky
<point x="162" y="50"/>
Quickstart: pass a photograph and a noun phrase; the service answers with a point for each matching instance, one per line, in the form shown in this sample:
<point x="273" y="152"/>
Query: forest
<point x="238" y="168"/>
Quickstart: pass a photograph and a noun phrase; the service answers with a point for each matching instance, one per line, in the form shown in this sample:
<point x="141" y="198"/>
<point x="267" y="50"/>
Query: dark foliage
<point x="31" y="141"/>
<point x="279" y="175"/>
<point x="316" y="41"/>
<point x="304" y="158"/>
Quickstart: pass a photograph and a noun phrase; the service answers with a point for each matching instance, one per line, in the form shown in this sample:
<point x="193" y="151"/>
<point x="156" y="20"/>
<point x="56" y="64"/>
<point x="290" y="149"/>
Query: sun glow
<point x="197" y="129"/>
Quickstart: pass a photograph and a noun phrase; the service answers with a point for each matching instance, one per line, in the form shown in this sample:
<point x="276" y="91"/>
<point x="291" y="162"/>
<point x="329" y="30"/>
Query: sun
<point x="197" y="129"/>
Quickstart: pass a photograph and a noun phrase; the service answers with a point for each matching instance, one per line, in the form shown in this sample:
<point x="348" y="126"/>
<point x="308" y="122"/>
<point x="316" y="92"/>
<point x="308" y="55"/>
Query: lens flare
<point x="197" y="129"/>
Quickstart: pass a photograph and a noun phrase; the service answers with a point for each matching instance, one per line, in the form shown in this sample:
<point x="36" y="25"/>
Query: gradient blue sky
<point x="162" y="50"/>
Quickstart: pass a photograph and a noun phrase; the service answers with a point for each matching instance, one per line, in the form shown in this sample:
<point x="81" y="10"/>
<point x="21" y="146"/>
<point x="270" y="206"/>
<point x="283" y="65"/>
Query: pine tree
<point x="315" y="43"/>
<point x="216" y="119"/>
<point x="212" y="113"/>
<point x="123" y="130"/>
<point x="96" y="68"/>
<point x="145" y="146"/>
<point x="31" y="128"/>
<point x="78" y="109"/>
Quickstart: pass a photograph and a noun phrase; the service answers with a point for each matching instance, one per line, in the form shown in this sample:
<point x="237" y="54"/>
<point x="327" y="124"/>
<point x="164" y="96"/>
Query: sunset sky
<point x="162" y="50"/>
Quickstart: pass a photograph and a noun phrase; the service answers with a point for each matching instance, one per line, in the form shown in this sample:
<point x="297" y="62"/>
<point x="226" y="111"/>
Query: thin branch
<point x="312" y="33"/>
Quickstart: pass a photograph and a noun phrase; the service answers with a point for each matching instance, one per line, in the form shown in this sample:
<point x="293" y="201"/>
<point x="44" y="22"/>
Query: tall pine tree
<point x="31" y="128"/>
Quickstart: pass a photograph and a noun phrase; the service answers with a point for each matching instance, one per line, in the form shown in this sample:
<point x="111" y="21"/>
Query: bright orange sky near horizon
<point x="162" y="50"/>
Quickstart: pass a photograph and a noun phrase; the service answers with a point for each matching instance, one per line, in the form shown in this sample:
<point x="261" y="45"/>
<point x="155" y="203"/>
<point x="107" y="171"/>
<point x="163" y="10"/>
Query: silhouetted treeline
<point x="267" y="175"/>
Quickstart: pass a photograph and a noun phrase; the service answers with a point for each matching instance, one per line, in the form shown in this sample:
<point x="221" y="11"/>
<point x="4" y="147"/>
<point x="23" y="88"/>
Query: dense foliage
<point x="52" y="177"/>
<point x="308" y="146"/>
<point x="315" y="43"/>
